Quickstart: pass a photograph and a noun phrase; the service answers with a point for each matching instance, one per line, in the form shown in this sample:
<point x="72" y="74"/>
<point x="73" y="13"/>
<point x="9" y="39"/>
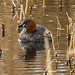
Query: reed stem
<point x="21" y="13"/>
<point x="53" y="42"/>
<point x="31" y="3"/>
<point x="58" y="22"/>
<point x="3" y="30"/>
<point x="70" y="44"/>
<point x="13" y="6"/>
<point x="17" y="15"/>
<point x="43" y="3"/>
<point x="70" y="21"/>
<point x="26" y="7"/>
<point x="48" y="58"/>
<point x="18" y="2"/>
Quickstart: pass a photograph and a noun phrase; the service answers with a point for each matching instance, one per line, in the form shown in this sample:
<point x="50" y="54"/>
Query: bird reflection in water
<point x="30" y="49"/>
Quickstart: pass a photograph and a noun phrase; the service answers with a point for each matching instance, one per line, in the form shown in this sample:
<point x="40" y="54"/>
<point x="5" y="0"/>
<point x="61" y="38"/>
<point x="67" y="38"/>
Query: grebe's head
<point x="29" y="24"/>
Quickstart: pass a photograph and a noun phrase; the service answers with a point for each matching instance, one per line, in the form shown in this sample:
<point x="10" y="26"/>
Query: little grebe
<point x="33" y="32"/>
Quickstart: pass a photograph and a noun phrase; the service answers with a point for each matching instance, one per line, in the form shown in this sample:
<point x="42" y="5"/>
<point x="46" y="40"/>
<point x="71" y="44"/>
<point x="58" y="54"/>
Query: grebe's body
<point x="33" y="32"/>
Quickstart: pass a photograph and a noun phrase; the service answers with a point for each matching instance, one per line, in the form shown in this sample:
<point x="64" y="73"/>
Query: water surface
<point x="31" y="59"/>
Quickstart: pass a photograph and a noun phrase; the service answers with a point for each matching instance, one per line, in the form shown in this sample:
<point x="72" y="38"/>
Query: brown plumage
<point x="31" y="26"/>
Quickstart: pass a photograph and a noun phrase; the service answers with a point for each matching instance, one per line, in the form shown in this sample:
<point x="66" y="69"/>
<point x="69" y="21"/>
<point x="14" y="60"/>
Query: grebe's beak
<point x="23" y="25"/>
<point x="20" y="25"/>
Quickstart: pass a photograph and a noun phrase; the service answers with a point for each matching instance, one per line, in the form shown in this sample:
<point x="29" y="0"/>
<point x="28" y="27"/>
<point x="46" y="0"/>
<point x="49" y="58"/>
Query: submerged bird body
<point x="33" y="32"/>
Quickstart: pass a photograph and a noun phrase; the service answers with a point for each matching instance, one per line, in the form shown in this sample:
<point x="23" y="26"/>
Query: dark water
<point x="30" y="59"/>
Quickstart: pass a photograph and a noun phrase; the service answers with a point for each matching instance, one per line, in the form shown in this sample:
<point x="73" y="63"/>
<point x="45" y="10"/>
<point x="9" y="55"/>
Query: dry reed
<point x="48" y="57"/>
<point x="3" y="30"/>
<point x="71" y="36"/>
<point x="43" y="3"/>
<point x="21" y="12"/>
<point x="70" y="21"/>
<point x="14" y="5"/>
<point x="26" y="7"/>
<point x="58" y="22"/>
<point x="18" y="2"/>
<point x="53" y="42"/>
<point x="31" y="3"/>
<point x="61" y="5"/>
<point x="67" y="30"/>
<point x="31" y="6"/>
<point x="61" y="2"/>
<point x="17" y="15"/>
